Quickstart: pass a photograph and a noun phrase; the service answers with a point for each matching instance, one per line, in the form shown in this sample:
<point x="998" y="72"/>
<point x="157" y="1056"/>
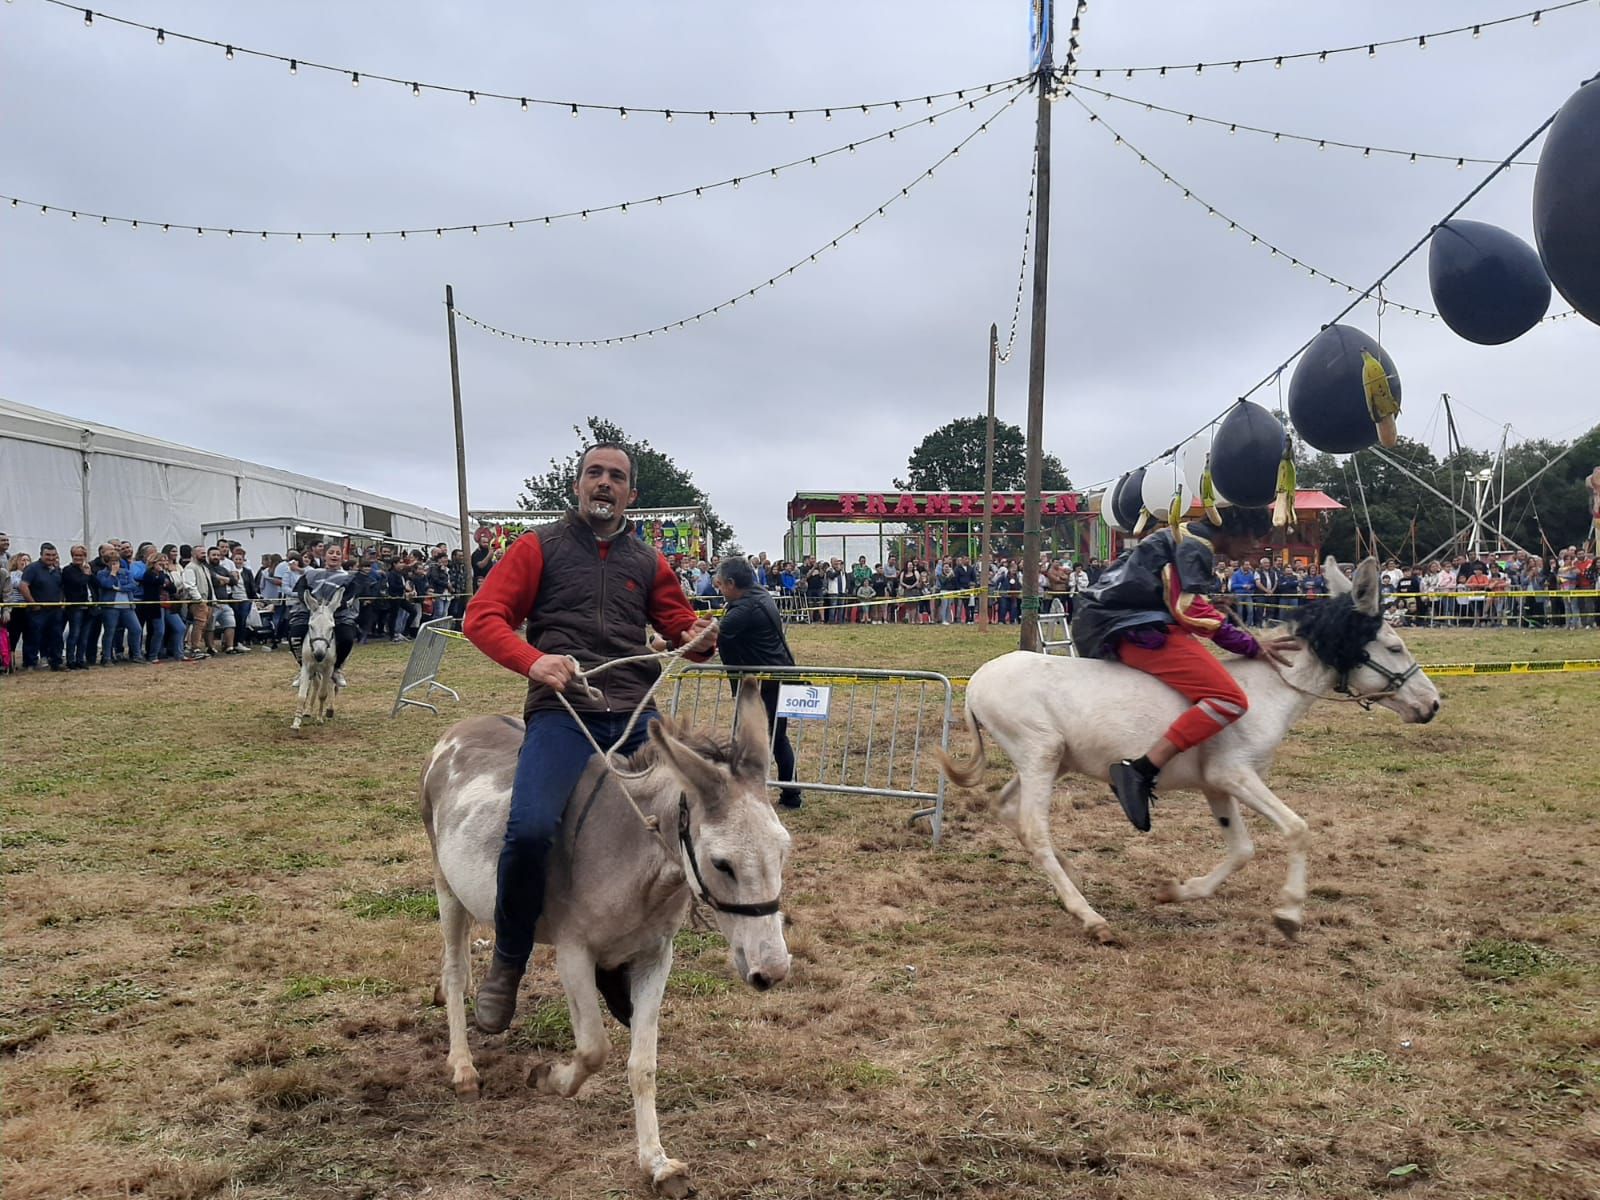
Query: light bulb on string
<point x="294" y="67"/>
<point x="623" y="113"/>
<point x="752" y="118"/>
<point x="1372" y="50"/>
<point x="355" y="79"/>
<point x="416" y="91"/>
<point x="161" y="37"/>
<point x="711" y="118"/>
<point x="574" y="111"/>
<point x="1536" y="17"/>
<point x="791" y="118"/>
<point x="88" y="17"/>
<point x="228" y="54"/>
<point x="1236" y="67"/>
<point x="472" y="97"/>
<point x="1278" y="63"/>
<point x="668" y="115"/>
<point x="1422" y="42"/>
<point x="1476" y="30"/>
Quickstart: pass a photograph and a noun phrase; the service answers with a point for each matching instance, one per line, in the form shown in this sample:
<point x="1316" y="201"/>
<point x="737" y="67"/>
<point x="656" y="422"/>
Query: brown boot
<point x="496" y="1002"/>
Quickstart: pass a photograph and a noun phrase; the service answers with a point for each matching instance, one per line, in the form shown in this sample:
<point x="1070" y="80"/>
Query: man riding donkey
<point x="1149" y="610"/>
<point x="587" y="589"/>
<point x="326" y="582"/>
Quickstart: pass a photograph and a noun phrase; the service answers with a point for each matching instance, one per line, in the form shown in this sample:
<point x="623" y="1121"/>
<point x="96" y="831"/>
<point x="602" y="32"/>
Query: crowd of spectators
<point x="146" y="604"/>
<point x="944" y="591"/>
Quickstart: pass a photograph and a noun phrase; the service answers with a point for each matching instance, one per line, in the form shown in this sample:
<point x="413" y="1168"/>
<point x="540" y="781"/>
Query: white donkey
<point x="317" y="654"/>
<point x="618" y="891"/>
<point x="1058" y="715"/>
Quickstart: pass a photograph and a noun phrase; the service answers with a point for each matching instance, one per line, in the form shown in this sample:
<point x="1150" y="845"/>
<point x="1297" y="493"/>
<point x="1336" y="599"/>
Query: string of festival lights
<point x="1367" y="151"/>
<point x="1373" y="291"/>
<point x="1420" y="41"/>
<point x="1022" y="270"/>
<point x="772" y="281"/>
<point x="1256" y="239"/>
<point x="583" y="214"/>
<point x="296" y="64"/>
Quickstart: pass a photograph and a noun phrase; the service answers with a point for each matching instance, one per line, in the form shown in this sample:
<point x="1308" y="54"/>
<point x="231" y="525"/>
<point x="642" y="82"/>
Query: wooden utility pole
<point x="988" y="488"/>
<point x="1041" y="273"/>
<point x="461" y="441"/>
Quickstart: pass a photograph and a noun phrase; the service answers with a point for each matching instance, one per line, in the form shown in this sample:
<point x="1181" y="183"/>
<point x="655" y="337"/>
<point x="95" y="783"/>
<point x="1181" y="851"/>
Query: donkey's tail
<point x="969" y="773"/>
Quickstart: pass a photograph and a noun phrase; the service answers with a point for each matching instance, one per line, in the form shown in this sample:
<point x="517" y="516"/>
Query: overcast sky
<point x="331" y="359"/>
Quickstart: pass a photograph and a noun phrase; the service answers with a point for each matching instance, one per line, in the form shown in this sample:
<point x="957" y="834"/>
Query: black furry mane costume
<point x="1336" y="631"/>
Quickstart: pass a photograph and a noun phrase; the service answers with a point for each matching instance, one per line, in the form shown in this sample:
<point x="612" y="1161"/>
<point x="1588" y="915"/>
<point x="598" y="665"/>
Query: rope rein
<point x="581" y="677"/>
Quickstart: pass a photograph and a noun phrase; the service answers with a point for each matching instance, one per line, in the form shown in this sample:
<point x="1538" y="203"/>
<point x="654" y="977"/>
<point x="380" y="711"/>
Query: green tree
<point x="660" y="481"/>
<point x="950" y="459"/>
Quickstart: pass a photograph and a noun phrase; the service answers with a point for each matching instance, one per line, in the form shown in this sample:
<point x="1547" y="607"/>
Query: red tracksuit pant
<point x="1189" y="668"/>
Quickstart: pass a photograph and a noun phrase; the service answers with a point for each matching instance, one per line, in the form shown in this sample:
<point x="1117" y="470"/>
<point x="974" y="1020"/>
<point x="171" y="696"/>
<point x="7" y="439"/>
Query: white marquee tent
<point x="64" y="480"/>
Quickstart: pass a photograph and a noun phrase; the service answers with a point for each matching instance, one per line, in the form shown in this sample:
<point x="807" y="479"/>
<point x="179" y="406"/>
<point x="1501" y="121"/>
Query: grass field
<point x="219" y="949"/>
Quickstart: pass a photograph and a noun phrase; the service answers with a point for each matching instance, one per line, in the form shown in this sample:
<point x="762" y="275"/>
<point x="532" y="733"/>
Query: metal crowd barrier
<point x="422" y="668"/>
<point x="855" y="732"/>
<point x="1055" y="631"/>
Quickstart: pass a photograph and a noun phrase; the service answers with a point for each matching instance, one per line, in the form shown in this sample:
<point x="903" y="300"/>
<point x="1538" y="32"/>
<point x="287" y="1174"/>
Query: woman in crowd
<point x="116" y="588"/>
<point x="165" y="634"/>
<point x="83" y="619"/>
<point x="15" y="614"/>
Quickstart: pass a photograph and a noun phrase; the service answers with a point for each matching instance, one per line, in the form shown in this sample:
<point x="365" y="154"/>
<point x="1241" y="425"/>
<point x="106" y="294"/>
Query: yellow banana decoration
<point x="1382" y="404"/>
<point x="1175" y="515"/>
<point x="1208" y="495"/>
<point x="1284" y="515"/>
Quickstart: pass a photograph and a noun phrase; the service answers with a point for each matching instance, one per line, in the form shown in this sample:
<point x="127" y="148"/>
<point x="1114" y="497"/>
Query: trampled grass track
<point x="219" y="952"/>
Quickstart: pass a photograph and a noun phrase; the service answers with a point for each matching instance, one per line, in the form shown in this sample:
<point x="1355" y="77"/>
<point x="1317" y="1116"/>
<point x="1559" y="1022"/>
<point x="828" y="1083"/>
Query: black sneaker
<point x="789" y="798"/>
<point x="1135" y="790"/>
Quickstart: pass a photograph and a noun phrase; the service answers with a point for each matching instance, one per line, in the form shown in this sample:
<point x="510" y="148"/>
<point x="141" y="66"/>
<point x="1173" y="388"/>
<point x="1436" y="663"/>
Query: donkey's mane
<point x="1337" y="632"/>
<point x="712" y="749"/>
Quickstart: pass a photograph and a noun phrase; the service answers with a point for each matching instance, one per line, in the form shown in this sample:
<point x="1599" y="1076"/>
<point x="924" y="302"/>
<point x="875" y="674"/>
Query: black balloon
<point x="1127" y="501"/>
<point x="1566" y="201"/>
<point x="1245" y="453"/>
<point x="1488" y="285"/>
<point x="1327" y="399"/>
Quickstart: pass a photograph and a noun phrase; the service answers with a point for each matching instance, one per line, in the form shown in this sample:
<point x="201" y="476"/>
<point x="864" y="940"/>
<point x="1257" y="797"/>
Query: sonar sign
<point x="802" y="702"/>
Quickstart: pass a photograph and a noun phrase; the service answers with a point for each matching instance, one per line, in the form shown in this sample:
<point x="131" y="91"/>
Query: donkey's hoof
<point x="1169" y="892"/>
<point x="1288" y="924"/>
<point x="1105" y="935"/>
<point x="542" y="1079"/>
<point x="671" y="1179"/>
<point x="466" y="1083"/>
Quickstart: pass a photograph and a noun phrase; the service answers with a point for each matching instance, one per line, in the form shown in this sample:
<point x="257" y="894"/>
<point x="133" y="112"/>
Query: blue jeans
<point x="44" y="636"/>
<point x="83" y="631"/>
<point x="169" y="633"/>
<point x="118" y="618"/>
<point x="554" y="756"/>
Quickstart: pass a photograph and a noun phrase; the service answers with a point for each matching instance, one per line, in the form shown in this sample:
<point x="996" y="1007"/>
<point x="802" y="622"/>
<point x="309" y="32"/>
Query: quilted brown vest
<point x="593" y="609"/>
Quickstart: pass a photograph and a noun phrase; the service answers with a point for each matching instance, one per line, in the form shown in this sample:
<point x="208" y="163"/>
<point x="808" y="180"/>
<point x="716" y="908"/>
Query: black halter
<point x="1395" y="679"/>
<point x="765" y="909"/>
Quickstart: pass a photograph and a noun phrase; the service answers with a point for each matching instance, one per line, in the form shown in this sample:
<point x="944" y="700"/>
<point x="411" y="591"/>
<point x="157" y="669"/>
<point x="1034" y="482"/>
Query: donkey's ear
<point x="1365" y="587"/>
<point x="338" y="599"/>
<point x="1338" y="581"/>
<point x="697" y="774"/>
<point x="752" y="751"/>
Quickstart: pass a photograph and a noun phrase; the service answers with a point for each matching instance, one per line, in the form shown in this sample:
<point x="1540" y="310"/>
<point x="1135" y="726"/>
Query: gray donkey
<point x="618" y="890"/>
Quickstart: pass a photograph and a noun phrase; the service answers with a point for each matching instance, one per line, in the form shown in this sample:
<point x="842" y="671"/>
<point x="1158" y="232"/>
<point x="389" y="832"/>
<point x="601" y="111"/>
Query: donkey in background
<point x="618" y="890"/>
<point x="1057" y="715"/>
<point x="317" y="654"/>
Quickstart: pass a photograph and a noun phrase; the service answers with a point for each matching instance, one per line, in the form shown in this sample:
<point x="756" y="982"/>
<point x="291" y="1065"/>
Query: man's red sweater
<point x="507" y="595"/>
